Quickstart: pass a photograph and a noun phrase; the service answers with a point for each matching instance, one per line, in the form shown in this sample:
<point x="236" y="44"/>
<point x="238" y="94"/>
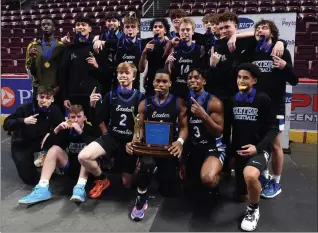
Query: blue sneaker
<point x="38" y="194"/>
<point x="271" y="190"/>
<point x="79" y="193"/>
<point x="264" y="181"/>
<point x="139" y="209"/>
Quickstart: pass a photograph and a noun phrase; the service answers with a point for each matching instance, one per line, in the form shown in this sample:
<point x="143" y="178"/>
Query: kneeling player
<point x="72" y="135"/>
<point x="115" y="114"/>
<point x="207" y="152"/>
<point x="254" y="130"/>
<point x="163" y="107"/>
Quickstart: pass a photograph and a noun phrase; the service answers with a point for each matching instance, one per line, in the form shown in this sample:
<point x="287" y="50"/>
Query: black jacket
<point x="31" y="135"/>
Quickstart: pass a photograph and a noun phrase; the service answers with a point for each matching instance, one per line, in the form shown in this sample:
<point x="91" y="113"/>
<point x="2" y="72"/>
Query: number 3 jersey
<point x="121" y="121"/>
<point x="200" y="136"/>
<point x="186" y="59"/>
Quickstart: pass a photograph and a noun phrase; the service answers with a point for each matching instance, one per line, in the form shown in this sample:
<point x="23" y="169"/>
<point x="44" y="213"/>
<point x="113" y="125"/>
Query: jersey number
<point x="197" y="131"/>
<point x="185" y="69"/>
<point x="123" y="120"/>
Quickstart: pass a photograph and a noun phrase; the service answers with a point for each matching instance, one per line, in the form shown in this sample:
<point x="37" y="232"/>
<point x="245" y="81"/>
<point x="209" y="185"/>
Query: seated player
<point x="64" y="144"/>
<point x="30" y="123"/>
<point x="207" y="153"/>
<point x="163" y="107"/>
<point x="115" y="117"/>
<point x="254" y="130"/>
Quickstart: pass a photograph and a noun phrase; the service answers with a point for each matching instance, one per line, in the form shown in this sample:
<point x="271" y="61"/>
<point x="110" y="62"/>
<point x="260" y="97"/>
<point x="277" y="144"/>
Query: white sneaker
<point x="250" y="220"/>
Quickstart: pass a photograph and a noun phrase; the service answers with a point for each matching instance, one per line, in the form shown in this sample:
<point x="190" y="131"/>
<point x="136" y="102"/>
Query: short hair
<point x="45" y="17"/>
<point x="112" y="15"/>
<point x="272" y="27"/>
<point x="210" y="17"/>
<point x="252" y="68"/>
<point x="76" y="109"/>
<point x="177" y="13"/>
<point x="83" y="19"/>
<point x="163" y="71"/>
<point x="164" y="22"/>
<point x="188" y="20"/>
<point x="199" y="70"/>
<point x="228" y="16"/>
<point x="131" y="19"/>
<point x="45" y="91"/>
<point x="124" y="66"/>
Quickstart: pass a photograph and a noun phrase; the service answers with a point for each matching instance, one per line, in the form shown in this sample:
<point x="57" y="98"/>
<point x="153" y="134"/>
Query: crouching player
<point x="64" y="144"/>
<point x="254" y="130"/>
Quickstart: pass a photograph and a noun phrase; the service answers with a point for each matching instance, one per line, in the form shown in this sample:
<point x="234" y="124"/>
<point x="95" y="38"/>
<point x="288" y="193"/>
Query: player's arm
<point x="170" y="62"/>
<point x="286" y="66"/>
<point x="143" y="60"/>
<point x="15" y="120"/>
<point x="141" y="112"/>
<point x="183" y="120"/>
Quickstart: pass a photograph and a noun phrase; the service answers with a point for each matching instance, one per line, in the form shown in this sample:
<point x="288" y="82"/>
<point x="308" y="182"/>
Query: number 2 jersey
<point x="199" y="134"/>
<point x="186" y="59"/>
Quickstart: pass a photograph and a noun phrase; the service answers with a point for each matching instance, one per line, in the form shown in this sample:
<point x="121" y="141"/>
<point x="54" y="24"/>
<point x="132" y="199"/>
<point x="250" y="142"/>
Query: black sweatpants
<point x="23" y="158"/>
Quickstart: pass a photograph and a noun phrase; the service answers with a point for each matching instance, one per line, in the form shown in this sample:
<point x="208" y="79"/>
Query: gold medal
<point x="47" y="64"/>
<point x="121" y="81"/>
<point x="242" y="87"/>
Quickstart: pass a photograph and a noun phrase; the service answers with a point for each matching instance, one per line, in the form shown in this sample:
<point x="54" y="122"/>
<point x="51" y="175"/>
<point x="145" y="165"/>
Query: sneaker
<point x="79" y="194"/>
<point x="40" y="160"/>
<point x="100" y="186"/>
<point x="138" y="212"/>
<point x="271" y="190"/>
<point x="264" y="181"/>
<point x="38" y="194"/>
<point x="251" y="217"/>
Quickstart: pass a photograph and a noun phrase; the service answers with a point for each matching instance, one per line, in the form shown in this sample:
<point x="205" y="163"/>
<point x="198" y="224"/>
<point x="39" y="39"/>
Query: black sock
<point x="100" y="177"/>
<point x="253" y="206"/>
<point x="141" y="199"/>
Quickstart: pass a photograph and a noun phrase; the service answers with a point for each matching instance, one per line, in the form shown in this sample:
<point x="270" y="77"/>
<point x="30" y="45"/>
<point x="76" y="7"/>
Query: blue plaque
<point x="157" y="133"/>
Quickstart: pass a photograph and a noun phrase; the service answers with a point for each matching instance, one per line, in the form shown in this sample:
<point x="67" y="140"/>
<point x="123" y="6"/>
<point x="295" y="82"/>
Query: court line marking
<point x="5" y="140"/>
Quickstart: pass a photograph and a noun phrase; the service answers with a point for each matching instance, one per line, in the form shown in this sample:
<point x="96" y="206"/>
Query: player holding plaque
<point x="163" y="107"/>
<point x="206" y="120"/>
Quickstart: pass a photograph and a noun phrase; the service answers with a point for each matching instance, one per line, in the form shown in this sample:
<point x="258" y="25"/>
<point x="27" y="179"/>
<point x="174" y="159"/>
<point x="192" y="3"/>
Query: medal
<point x="47" y="64"/>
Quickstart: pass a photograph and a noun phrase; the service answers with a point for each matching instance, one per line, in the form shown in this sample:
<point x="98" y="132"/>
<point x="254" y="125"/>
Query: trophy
<point x="155" y="140"/>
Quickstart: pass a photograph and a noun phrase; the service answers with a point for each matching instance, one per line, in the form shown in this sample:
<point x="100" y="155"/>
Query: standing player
<point x="276" y="72"/>
<point x="186" y="56"/>
<point x="163" y="107"/>
<point x="207" y="152"/>
<point x="254" y="130"/>
<point x="30" y="123"/>
<point x="154" y="52"/>
<point x="72" y="135"/>
<point x="116" y="113"/>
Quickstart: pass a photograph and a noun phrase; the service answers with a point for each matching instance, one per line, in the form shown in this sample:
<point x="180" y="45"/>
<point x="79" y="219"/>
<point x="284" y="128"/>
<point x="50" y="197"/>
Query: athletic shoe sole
<point x="30" y="203"/>
<point x="139" y="218"/>
<point x="270" y="197"/>
<point x="77" y="199"/>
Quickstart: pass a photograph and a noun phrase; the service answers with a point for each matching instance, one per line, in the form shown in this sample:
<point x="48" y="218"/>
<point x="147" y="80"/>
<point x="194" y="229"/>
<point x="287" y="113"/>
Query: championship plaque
<point x="157" y="138"/>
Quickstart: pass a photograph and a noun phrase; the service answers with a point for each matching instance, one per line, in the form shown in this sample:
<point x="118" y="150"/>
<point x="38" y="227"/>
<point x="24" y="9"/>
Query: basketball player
<point x="185" y="56"/>
<point x="116" y="112"/>
<point x="71" y="135"/>
<point x="254" y="131"/>
<point x="30" y="123"/>
<point x="207" y="152"/>
<point x="154" y="52"/>
<point x="163" y="107"/>
<point x="276" y="72"/>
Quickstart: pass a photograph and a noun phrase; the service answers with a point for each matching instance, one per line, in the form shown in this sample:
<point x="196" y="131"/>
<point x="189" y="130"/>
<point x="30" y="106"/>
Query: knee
<point x="53" y="151"/>
<point x="84" y="156"/>
<point x="210" y="179"/>
<point x="251" y="175"/>
<point x="127" y="180"/>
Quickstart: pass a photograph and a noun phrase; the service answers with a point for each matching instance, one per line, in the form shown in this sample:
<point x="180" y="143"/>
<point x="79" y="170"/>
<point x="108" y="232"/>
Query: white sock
<point x="265" y="173"/>
<point x="82" y="181"/>
<point x="141" y="191"/>
<point x="44" y="183"/>
<point x="276" y="178"/>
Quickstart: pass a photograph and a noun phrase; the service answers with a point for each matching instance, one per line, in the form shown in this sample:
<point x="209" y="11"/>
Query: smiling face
<point x="45" y="100"/>
<point x="162" y="83"/>
<point x="245" y="80"/>
<point x="159" y="29"/>
<point x="84" y="28"/>
<point x="227" y="29"/>
<point x="112" y="24"/>
<point x="263" y="31"/>
<point x="196" y="81"/>
<point x="126" y="75"/>
<point x="186" y="31"/>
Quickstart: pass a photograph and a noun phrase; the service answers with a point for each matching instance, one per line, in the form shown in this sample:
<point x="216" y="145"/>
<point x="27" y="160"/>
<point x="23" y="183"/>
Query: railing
<point x="144" y="10"/>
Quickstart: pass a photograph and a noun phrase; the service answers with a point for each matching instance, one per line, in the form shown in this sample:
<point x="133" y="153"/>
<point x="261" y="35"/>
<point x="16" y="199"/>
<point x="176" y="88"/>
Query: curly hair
<point x="177" y="13"/>
<point x="228" y="16"/>
<point x="164" y="22"/>
<point x="211" y="17"/>
<point x="272" y="27"/>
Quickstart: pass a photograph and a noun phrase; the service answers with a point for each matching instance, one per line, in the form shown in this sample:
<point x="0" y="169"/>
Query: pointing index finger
<point x="194" y="101"/>
<point x="35" y="115"/>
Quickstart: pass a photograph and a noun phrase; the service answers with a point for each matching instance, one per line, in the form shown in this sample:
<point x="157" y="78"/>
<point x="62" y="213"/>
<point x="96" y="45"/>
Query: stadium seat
<point x="278" y="9"/>
<point x="305" y="52"/>
<point x="211" y="5"/>
<point x="224" y="4"/>
<point x="236" y="4"/>
<point x="221" y="10"/>
<point x="313" y="27"/>
<point x="308" y="9"/>
<point x="251" y="3"/>
<point x="209" y="10"/>
<point x="7" y="69"/>
<point x="265" y="3"/>
<point x="198" y="5"/>
<point x="313" y="69"/>
<point x="197" y="12"/>
<point x="301" y="38"/>
<point x="251" y="10"/>
<point x="6" y="62"/>
<point x="314" y="38"/>
<point x="292" y="2"/>
<point x="308" y="17"/>
<point x="308" y="2"/>
<point x="237" y="10"/>
<point x="278" y="3"/>
<point x="4" y="52"/>
<point x="301" y="68"/>
<point x="293" y="9"/>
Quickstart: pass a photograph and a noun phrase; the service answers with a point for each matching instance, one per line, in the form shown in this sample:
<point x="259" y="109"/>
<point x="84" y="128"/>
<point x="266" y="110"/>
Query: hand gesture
<point x="62" y="126"/>
<point x="91" y="60"/>
<point x="67" y="104"/>
<point x="278" y="62"/>
<point x="231" y="43"/>
<point x="170" y="58"/>
<point x="175" y="41"/>
<point x="31" y="120"/>
<point x="176" y="149"/>
<point x="129" y="148"/>
<point x="149" y="46"/>
<point x="278" y="49"/>
<point x="66" y="39"/>
<point x="215" y="58"/>
<point x="98" y="45"/>
<point x="94" y="97"/>
<point x="77" y="128"/>
<point x="249" y="150"/>
<point x="197" y="109"/>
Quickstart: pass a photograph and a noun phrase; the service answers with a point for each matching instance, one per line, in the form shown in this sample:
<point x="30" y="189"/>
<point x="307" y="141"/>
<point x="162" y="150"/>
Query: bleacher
<point x="19" y="28"/>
